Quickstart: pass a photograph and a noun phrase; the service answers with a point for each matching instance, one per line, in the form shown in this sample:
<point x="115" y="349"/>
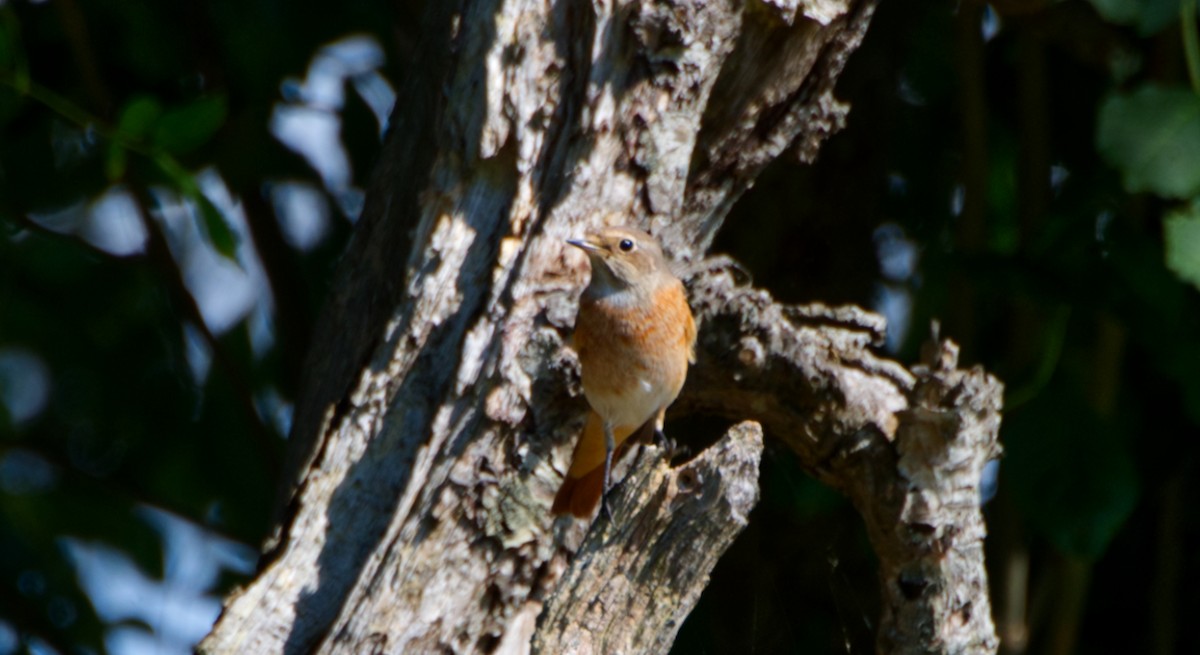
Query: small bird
<point x="635" y="337"/>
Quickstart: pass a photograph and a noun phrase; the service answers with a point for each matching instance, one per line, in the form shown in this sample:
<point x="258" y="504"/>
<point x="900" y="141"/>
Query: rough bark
<point x="437" y="414"/>
<point x="907" y="447"/>
<point x="678" y="522"/>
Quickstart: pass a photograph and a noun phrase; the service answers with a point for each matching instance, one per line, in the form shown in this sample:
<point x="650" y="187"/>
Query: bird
<point x="635" y="337"/>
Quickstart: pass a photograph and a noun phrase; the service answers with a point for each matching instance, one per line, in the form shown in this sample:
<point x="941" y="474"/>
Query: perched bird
<point x="635" y="337"/>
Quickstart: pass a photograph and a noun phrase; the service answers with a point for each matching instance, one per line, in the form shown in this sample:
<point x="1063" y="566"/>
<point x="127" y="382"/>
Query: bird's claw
<point x="670" y="447"/>
<point x="604" y="508"/>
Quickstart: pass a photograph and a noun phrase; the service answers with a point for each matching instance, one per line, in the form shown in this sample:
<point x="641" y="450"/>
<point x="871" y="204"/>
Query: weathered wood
<point x="438" y="408"/>
<point x="907" y="447"/>
<point x="634" y="580"/>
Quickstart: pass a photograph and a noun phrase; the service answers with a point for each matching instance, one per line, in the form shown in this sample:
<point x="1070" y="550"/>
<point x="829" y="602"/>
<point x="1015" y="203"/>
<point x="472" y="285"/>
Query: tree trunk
<point x="439" y="411"/>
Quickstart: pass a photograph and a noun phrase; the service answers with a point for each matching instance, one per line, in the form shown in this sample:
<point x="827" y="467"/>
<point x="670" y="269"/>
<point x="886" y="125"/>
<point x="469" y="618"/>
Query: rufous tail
<point x="583" y="485"/>
<point x="580" y="496"/>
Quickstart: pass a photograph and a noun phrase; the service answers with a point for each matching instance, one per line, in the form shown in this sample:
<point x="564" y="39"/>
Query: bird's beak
<point x="584" y="245"/>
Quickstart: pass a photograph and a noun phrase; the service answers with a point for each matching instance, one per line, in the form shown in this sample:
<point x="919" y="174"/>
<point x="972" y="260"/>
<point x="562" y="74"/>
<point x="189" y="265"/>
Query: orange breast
<point x="634" y="357"/>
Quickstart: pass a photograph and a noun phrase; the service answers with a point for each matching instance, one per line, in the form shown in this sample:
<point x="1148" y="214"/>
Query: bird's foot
<point x="661" y="440"/>
<point x="672" y="449"/>
<point x="605" y="511"/>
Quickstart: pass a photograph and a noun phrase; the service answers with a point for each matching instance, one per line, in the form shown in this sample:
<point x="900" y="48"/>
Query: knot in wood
<point x="750" y="352"/>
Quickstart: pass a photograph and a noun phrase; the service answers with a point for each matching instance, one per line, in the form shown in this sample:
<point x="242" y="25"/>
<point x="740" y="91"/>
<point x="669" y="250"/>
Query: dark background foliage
<point x="1027" y="172"/>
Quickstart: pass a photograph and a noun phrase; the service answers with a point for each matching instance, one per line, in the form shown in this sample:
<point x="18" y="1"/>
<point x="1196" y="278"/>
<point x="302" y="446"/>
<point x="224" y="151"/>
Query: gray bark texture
<point x="440" y="405"/>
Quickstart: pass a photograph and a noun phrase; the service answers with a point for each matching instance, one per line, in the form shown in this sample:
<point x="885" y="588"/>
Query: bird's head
<point x="621" y="258"/>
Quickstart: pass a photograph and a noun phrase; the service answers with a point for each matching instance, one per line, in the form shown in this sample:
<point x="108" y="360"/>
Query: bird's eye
<point x="625" y="245"/>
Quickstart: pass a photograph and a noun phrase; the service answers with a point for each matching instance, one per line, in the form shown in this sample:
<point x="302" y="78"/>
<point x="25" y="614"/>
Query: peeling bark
<point x="438" y="412"/>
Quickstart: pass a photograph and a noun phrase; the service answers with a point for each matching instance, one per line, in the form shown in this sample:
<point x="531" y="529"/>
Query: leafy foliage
<point x="148" y="355"/>
<point x="1153" y="137"/>
<point x="1182" y="236"/>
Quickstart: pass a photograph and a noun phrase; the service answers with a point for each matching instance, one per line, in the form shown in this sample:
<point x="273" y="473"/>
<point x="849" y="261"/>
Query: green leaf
<point x="1152" y="137"/>
<point x="138" y="116"/>
<point x="184" y="129"/>
<point x="222" y="238"/>
<point x="1149" y="16"/>
<point x="135" y="122"/>
<point x="1181" y="233"/>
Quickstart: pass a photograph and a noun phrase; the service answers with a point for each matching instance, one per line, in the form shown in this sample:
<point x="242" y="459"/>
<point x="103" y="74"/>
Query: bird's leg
<point x="670" y="448"/>
<point x="610" y="445"/>
<point x="661" y="440"/>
